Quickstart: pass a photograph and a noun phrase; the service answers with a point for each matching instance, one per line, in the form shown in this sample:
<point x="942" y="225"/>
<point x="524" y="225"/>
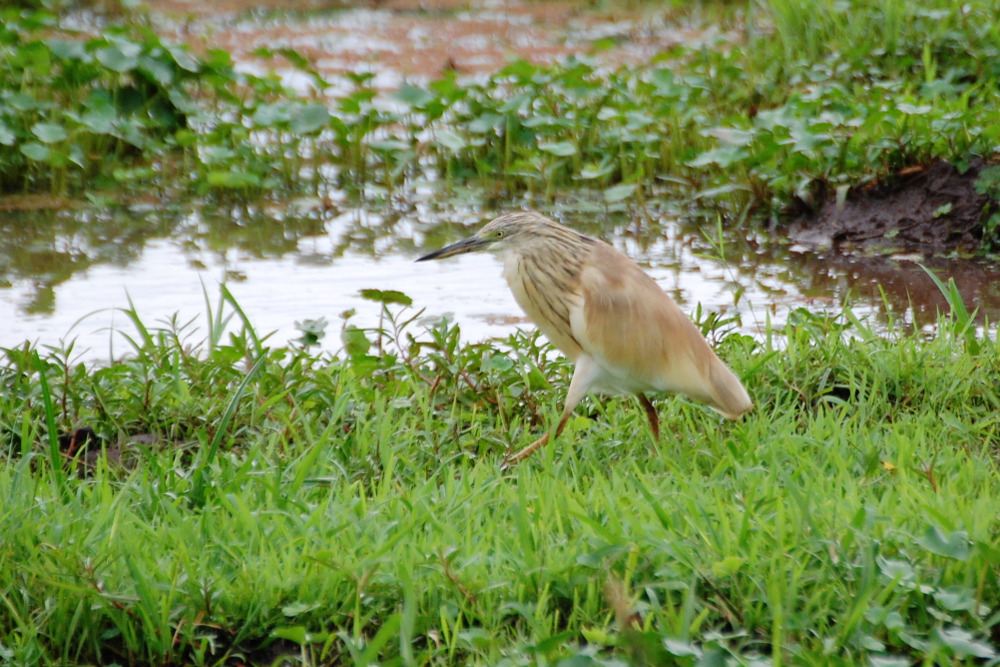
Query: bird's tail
<point x="729" y="396"/>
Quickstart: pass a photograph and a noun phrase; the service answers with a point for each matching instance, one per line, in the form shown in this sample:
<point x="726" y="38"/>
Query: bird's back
<point x="588" y="298"/>
<point x="638" y="333"/>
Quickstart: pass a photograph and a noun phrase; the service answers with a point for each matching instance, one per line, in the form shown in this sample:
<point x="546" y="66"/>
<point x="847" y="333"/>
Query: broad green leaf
<point x="451" y="140"/>
<point x="296" y="608"/>
<point x="33" y="56"/>
<point x="36" y="151"/>
<point x="356" y="344"/>
<point x="295" y="633"/>
<point x="731" y="136"/>
<point x="476" y="638"/>
<point x="895" y="569"/>
<point x="389" y="146"/>
<point x="520" y="69"/>
<point x="23" y="102"/>
<point x="963" y="644"/>
<point x="7" y="137"/>
<point x="727" y="188"/>
<point x="637" y="121"/>
<point x="713" y="658"/>
<point x="100" y="121"/>
<point x="119" y="56"/>
<point x="955" y="598"/>
<point x="560" y="148"/>
<point x="232" y="179"/>
<point x="211" y="154"/>
<point x="484" y="123"/>
<point x="619" y="192"/>
<point x="555" y="641"/>
<point x="681" y="648"/>
<point x="593" y="171"/>
<point x="159" y="70"/>
<point x="184" y="59"/>
<point x="665" y="80"/>
<point x="546" y="121"/>
<point x="497" y="362"/>
<point x="803" y="140"/>
<point x="309" y="118"/>
<point x="49" y="133"/>
<point x="414" y="96"/>
<point x="724" y="156"/>
<point x="66" y="49"/>
<point x="386" y="296"/>
<point x="912" y="109"/>
<point x="268" y="115"/>
<point x="448" y="87"/>
<point x="597" y="636"/>
<point x="954" y="545"/>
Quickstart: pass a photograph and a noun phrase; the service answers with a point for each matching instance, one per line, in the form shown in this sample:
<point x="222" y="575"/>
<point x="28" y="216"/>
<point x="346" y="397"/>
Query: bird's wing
<point x="642" y="337"/>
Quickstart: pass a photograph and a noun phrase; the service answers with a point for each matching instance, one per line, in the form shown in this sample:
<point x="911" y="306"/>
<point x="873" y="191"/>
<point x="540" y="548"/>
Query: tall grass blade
<point x="204" y="462"/>
<point x="55" y="454"/>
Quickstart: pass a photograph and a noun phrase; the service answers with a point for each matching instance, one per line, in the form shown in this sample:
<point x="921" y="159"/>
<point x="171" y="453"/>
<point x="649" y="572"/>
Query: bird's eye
<point x="500" y="234"/>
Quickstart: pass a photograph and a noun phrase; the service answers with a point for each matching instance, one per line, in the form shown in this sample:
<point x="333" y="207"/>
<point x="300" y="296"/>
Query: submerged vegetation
<point x="794" y="102"/>
<point x="231" y="501"/>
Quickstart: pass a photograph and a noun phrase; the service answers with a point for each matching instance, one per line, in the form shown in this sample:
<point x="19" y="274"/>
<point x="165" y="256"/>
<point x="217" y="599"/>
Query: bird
<point x="623" y="333"/>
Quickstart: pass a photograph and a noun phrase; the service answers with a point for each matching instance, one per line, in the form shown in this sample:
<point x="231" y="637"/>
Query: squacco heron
<point x="624" y="333"/>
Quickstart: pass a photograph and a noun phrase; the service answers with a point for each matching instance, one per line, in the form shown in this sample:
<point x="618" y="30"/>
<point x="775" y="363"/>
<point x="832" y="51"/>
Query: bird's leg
<point x="654" y="419"/>
<point x="587" y="370"/>
<point x="514" y="459"/>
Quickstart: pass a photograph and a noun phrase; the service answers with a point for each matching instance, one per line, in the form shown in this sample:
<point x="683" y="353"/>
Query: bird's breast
<point x="545" y="299"/>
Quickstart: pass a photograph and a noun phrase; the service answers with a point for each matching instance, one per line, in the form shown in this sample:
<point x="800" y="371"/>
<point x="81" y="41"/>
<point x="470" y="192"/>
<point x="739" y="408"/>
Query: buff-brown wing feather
<point x="634" y="328"/>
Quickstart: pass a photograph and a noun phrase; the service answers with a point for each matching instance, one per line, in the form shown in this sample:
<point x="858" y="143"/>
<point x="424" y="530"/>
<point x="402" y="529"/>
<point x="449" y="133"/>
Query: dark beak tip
<point x="459" y="248"/>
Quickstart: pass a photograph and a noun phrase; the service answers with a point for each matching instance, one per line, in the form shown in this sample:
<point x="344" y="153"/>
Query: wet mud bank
<point x="883" y="235"/>
<point x="934" y="210"/>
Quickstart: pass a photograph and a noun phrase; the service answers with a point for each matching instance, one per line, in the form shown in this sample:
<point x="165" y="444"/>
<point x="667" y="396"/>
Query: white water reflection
<point x="320" y="279"/>
<point x="282" y="279"/>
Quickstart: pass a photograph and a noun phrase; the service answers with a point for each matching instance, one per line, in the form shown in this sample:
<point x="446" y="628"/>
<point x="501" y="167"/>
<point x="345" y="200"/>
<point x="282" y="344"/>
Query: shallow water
<point x="65" y="275"/>
<point x="68" y="274"/>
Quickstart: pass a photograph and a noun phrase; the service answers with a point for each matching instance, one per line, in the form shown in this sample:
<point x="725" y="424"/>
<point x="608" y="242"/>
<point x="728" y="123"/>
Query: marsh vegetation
<point x="216" y="496"/>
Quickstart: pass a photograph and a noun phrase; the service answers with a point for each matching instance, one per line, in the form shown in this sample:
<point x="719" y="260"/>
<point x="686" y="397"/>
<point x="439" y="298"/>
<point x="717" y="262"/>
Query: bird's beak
<point x="470" y="244"/>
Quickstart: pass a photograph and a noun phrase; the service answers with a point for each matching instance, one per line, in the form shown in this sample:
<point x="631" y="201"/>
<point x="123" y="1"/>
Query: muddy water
<point x="66" y="275"/>
<point x="418" y="40"/>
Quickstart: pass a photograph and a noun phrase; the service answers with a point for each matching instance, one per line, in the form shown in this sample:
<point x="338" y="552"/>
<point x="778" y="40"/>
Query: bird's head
<point x="506" y="233"/>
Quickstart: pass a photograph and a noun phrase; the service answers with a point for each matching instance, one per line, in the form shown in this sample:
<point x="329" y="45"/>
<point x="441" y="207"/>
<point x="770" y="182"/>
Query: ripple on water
<point x="70" y="277"/>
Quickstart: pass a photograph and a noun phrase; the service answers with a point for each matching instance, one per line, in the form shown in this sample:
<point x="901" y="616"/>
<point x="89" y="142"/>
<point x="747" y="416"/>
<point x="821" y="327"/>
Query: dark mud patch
<point x="934" y="210"/>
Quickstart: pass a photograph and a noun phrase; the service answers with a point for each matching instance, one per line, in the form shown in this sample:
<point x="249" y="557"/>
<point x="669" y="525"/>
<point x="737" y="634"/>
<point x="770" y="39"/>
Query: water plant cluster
<point x="216" y="499"/>
<point x="796" y="101"/>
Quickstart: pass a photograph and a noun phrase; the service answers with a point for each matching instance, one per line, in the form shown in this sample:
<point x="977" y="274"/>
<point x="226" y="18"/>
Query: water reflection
<point x="62" y="273"/>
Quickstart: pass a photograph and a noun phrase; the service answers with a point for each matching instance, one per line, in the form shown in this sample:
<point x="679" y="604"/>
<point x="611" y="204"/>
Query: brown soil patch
<point x="933" y="209"/>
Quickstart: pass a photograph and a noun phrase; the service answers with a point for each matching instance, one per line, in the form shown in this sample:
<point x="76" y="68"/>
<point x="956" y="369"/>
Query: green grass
<point x="257" y="503"/>
<point x="351" y="510"/>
